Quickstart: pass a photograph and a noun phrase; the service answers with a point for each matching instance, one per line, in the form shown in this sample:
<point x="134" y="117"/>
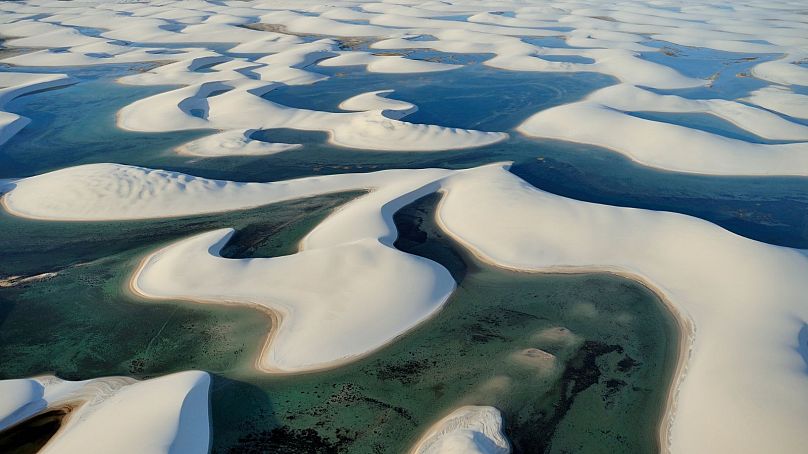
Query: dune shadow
<point x="802" y="344"/>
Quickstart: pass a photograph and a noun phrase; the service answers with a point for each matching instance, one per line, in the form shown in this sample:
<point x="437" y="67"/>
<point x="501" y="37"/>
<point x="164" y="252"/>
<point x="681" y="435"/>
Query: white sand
<point x="328" y="315"/>
<point x="784" y="71"/>
<point x="602" y="120"/>
<point x="745" y="386"/>
<point x="378" y="100"/>
<point x="745" y="299"/>
<point x="467" y="430"/>
<point x="116" y="414"/>
<point x="608" y="36"/>
<point x="235" y="142"/>
<point x="239" y="105"/>
<point x="346" y="293"/>
<point x="96" y="192"/>
<point x="781" y="99"/>
<point x="392" y="64"/>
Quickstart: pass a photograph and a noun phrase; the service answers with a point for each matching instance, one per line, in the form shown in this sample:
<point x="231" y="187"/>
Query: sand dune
<point x="472" y="430"/>
<point x="745" y="299"/>
<point x="604" y="119"/>
<point x="116" y="414"/>
<point x="347" y="291"/>
<point x="230" y="105"/>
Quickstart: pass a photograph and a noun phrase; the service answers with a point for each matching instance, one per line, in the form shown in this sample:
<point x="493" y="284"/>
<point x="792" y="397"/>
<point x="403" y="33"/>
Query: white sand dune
<point x="618" y="30"/>
<point x="781" y="99"/>
<point x="227" y="96"/>
<point x="600" y="37"/>
<point x="347" y="291"/>
<point x="467" y="430"/>
<point x="514" y="54"/>
<point x="301" y="55"/>
<point x="328" y="315"/>
<point x="622" y="64"/>
<point x="746" y="386"/>
<point x="785" y="71"/>
<point x="112" y="191"/>
<point x="744" y="298"/>
<point x="92" y="55"/>
<point x="116" y="414"/>
<point x="75" y="48"/>
<point x="603" y="119"/>
<point x="391" y="64"/>
<point x="16" y="84"/>
<point x="235" y="142"/>
<point x="269" y="43"/>
<point x="762" y="123"/>
<point x="306" y="24"/>
<point x="378" y="100"/>
<point x="230" y="105"/>
<point x="185" y="71"/>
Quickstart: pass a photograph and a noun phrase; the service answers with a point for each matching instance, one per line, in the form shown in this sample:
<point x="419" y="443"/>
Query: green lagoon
<point x="613" y="342"/>
<point x="576" y="363"/>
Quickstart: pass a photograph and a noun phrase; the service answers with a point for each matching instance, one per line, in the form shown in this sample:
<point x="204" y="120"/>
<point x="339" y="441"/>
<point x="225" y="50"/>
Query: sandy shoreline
<point x="276" y="317"/>
<point x="684" y="324"/>
<point x="4" y="206"/>
<point x="685" y="327"/>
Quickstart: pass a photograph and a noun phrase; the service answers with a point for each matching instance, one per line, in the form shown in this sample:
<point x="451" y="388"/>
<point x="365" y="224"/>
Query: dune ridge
<point x="168" y="414"/>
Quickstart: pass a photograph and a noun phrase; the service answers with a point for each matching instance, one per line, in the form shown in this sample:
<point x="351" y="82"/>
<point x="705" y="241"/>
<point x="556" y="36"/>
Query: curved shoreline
<point x="460" y="414"/>
<point x="650" y="165"/>
<point x="364" y="189"/>
<point x="684" y="324"/>
<point x="276" y="318"/>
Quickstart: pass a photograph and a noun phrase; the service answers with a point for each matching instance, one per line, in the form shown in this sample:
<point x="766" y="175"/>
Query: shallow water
<point x="769" y="209"/>
<point x="82" y="323"/>
<point x="472" y="97"/>
<point x="611" y="372"/>
<point x="728" y="71"/>
<point x="603" y="391"/>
